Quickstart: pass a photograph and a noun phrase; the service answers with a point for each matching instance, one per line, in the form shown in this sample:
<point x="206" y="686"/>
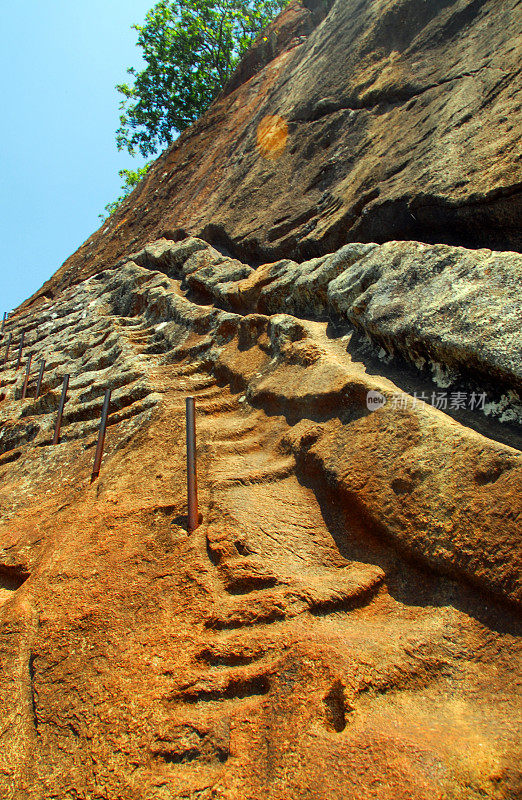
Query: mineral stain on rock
<point x="344" y="623"/>
<point x="272" y="136"/>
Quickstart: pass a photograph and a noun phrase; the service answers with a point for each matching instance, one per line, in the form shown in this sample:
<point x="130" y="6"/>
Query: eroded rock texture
<point x="355" y="121"/>
<point x="343" y="623"/>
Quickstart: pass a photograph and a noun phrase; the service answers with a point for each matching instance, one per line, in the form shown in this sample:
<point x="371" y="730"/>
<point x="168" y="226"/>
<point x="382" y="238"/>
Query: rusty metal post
<point x="8" y="345"/>
<point x="39" y="381"/>
<point x="60" y="410"/>
<point x="20" y="351"/>
<point x="192" y="484"/>
<point x="101" y="436"/>
<point x="27" y="371"/>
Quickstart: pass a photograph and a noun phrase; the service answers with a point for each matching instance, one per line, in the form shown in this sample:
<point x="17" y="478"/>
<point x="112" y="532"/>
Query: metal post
<point x="27" y="371"/>
<point x="39" y="381"/>
<point x="20" y="351"/>
<point x="101" y="436"/>
<point x="8" y="345"/>
<point x="60" y="410"/>
<point x="3" y="321"/>
<point x="192" y="486"/>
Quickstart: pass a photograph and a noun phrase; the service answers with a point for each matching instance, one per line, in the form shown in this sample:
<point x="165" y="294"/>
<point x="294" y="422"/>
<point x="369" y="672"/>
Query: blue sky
<point x="59" y="63"/>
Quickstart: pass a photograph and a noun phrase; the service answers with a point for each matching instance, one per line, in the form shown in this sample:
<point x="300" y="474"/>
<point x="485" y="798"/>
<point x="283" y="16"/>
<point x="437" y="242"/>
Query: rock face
<point x="370" y="121"/>
<point x="344" y="623"/>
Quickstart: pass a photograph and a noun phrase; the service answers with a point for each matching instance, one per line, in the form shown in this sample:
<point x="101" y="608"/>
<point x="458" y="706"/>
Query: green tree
<point x="131" y="178"/>
<point x="190" y="48"/>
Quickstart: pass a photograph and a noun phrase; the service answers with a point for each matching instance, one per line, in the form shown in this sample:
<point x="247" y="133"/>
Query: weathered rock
<point x="394" y="121"/>
<point x="343" y="622"/>
<point x="452" y="314"/>
<point x="458" y="308"/>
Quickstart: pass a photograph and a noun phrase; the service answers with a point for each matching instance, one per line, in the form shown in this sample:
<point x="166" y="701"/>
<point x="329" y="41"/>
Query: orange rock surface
<point x="342" y="624"/>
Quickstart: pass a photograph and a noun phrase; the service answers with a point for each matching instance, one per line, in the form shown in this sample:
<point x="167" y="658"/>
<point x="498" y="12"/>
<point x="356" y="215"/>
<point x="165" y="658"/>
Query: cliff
<point x="385" y="120"/>
<point x="327" y="262"/>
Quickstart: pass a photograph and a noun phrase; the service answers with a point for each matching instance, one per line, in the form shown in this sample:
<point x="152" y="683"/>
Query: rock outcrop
<point x="371" y="121"/>
<point x="344" y="622"/>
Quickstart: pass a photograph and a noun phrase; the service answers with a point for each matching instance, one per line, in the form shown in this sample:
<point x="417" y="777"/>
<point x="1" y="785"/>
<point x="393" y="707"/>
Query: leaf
<point x="190" y="48"/>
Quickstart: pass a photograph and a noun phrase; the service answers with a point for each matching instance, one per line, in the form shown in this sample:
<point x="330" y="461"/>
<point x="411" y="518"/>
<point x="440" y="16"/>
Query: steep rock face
<point x="371" y="121"/>
<point x="343" y="622"/>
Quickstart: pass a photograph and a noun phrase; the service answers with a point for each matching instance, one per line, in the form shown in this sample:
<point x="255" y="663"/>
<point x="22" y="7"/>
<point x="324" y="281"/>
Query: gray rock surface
<point x="453" y="314"/>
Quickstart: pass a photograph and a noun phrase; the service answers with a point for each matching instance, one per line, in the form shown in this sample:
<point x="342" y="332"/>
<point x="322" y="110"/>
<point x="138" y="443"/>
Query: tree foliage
<point x="190" y="48"/>
<point x="131" y="178"/>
